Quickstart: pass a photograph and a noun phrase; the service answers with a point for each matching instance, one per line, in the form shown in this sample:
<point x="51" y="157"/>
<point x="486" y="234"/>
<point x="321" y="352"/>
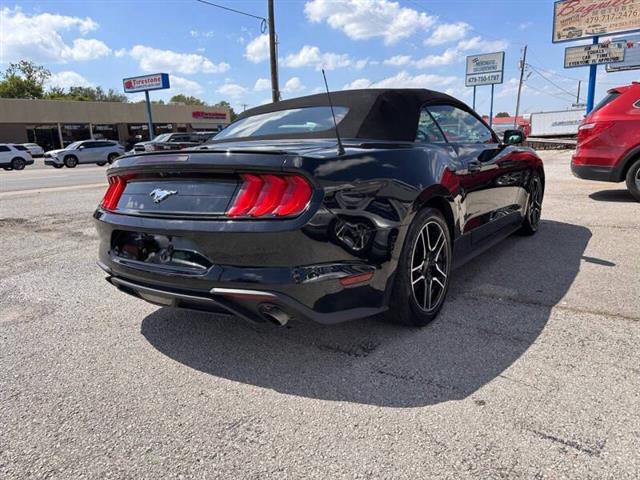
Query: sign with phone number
<point x="578" y="19"/>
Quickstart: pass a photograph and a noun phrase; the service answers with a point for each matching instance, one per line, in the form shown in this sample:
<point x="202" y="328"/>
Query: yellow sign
<point x="577" y="19"/>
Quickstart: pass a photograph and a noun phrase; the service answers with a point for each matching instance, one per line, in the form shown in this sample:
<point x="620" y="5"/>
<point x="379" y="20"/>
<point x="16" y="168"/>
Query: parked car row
<point x="174" y="141"/>
<point x="14" y="156"/>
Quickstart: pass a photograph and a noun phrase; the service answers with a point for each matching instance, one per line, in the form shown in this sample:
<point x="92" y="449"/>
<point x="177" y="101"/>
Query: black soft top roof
<point x="378" y="114"/>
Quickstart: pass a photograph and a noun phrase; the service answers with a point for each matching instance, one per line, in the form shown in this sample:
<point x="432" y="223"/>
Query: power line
<point x="551" y="81"/>
<point x="263" y="21"/>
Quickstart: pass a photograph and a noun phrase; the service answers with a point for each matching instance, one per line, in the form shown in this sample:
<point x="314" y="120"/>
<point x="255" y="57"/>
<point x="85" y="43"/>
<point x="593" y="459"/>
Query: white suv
<point x="85" y="151"/>
<point x="14" y="157"/>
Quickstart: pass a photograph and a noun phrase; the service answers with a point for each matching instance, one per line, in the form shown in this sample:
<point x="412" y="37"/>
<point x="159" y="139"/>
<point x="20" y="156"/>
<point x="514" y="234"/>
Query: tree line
<point x="25" y="79"/>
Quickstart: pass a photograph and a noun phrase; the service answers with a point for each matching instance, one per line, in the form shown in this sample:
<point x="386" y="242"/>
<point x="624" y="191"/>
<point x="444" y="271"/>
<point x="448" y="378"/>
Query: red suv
<point x="609" y="140"/>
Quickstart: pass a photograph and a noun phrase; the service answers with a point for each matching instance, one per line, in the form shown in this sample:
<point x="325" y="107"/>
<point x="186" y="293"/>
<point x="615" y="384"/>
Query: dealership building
<point x="53" y="123"/>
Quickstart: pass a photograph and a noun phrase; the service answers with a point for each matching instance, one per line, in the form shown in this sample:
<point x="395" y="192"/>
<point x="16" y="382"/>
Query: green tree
<point x="24" y="79"/>
<point x="502" y="115"/>
<point x="224" y="104"/>
<point x="187" y="100"/>
<point x="86" y="94"/>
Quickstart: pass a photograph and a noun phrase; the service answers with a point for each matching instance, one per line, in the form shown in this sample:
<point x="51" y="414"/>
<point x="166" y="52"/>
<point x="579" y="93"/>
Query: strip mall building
<point x="52" y="123"/>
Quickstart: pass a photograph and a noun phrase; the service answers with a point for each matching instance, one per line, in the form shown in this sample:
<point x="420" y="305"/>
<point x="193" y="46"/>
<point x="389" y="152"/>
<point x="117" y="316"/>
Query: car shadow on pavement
<point x="498" y="305"/>
<point x="621" y="195"/>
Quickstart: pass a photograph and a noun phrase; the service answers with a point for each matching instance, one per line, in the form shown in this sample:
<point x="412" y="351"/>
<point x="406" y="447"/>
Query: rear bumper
<point x="258" y="306"/>
<point x="297" y="271"/>
<point x="593" y="172"/>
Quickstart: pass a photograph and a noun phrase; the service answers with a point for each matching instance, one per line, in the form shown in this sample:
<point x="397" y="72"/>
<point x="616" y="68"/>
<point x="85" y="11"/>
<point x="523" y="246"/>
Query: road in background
<point x="531" y="371"/>
<point x="38" y="176"/>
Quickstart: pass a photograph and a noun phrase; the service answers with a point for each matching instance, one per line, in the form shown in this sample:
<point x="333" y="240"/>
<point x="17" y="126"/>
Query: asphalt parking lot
<point x="531" y="371"/>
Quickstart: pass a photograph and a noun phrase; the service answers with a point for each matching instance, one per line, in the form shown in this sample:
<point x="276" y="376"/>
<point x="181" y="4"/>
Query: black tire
<point x="422" y="261"/>
<point x="71" y="161"/>
<point x="531" y="221"/>
<point x="112" y="157"/>
<point x="101" y="164"/>
<point x="57" y="165"/>
<point x="633" y="180"/>
<point x="18" y="163"/>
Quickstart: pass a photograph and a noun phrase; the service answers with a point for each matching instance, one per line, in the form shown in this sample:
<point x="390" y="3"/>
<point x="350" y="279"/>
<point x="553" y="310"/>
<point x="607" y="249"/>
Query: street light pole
<point x="275" y="90"/>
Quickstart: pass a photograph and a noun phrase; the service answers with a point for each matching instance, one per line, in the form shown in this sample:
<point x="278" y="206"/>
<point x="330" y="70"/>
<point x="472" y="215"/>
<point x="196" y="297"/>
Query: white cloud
<point x="67" y="79"/>
<point x="448" y="32"/>
<point x="357" y="84"/>
<point x="155" y="60"/>
<point x="406" y="80"/>
<point x="449" y="56"/>
<point x="202" y="34"/>
<point x="365" y="19"/>
<point x="87" y="49"/>
<point x="39" y="37"/>
<point x="232" y="90"/>
<point x="294" y="84"/>
<point x="262" y="84"/>
<point x="257" y="49"/>
<point x="185" y="86"/>
<point x="398" y="60"/>
<point x="481" y="45"/>
<point x="311" y="56"/>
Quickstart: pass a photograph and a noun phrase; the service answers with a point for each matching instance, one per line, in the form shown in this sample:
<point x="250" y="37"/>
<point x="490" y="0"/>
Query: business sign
<point x="598" y="54"/>
<point x="486" y="69"/>
<point x="631" y="54"/>
<point x="209" y="115"/>
<point x="156" y="81"/>
<point x="578" y="19"/>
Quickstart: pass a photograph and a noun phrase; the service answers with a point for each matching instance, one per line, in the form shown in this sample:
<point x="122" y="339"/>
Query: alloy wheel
<point x="638" y="179"/>
<point x="429" y="267"/>
<point x="535" y="202"/>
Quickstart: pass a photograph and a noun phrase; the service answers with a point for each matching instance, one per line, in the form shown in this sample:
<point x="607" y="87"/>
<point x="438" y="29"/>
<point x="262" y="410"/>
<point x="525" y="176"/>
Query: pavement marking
<point x="15" y="193"/>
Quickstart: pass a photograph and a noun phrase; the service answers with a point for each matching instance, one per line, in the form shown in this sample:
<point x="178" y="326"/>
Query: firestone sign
<point x="578" y="19"/>
<point x="486" y="69"/>
<point x="157" y="81"/>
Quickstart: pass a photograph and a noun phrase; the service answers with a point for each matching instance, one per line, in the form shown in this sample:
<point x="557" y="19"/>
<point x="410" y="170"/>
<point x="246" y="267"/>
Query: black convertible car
<point x="277" y="218"/>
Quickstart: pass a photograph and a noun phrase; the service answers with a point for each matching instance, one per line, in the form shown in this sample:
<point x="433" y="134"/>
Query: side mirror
<point x="81" y="147"/>
<point x="513" y="137"/>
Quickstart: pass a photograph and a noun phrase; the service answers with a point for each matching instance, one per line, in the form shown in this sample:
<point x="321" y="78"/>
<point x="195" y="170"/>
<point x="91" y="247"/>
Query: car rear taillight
<point x="591" y="129"/>
<point x="263" y="195"/>
<point x="114" y="192"/>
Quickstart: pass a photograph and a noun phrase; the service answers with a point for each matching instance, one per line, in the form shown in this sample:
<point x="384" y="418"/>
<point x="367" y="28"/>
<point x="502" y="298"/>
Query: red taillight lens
<point x="114" y="192"/>
<point x="591" y="129"/>
<point x="266" y="194"/>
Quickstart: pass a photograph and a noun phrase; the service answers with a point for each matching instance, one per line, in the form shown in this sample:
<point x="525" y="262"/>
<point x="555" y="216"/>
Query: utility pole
<point x="523" y="63"/>
<point x="275" y="90"/>
<point x="578" y="95"/>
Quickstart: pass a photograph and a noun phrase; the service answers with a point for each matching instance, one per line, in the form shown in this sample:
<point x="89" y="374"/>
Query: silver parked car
<point x="85" y="151"/>
<point x="14" y="157"/>
<point x="34" y="149"/>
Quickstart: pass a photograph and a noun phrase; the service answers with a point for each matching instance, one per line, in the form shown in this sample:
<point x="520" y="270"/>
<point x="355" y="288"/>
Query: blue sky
<point x="215" y="55"/>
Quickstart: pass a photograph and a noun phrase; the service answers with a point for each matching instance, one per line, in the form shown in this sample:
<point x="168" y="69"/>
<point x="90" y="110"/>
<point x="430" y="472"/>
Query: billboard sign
<point x="485" y="69"/>
<point x="578" y="19"/>
<point x="601" y="53"/>
<point x="631" y="55"/>
<point x="156" y="81"/>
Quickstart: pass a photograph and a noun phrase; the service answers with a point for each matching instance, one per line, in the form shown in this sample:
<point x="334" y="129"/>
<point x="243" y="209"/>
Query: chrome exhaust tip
<point x="274" y="314"/>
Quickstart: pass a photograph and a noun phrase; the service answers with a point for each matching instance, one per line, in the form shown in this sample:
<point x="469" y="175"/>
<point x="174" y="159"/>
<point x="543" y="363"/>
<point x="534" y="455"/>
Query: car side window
<point x="460" y="126"/>
<point x="4" y="148"/>
<point x="428" y="131"/>
<point x="89" y="144"/>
